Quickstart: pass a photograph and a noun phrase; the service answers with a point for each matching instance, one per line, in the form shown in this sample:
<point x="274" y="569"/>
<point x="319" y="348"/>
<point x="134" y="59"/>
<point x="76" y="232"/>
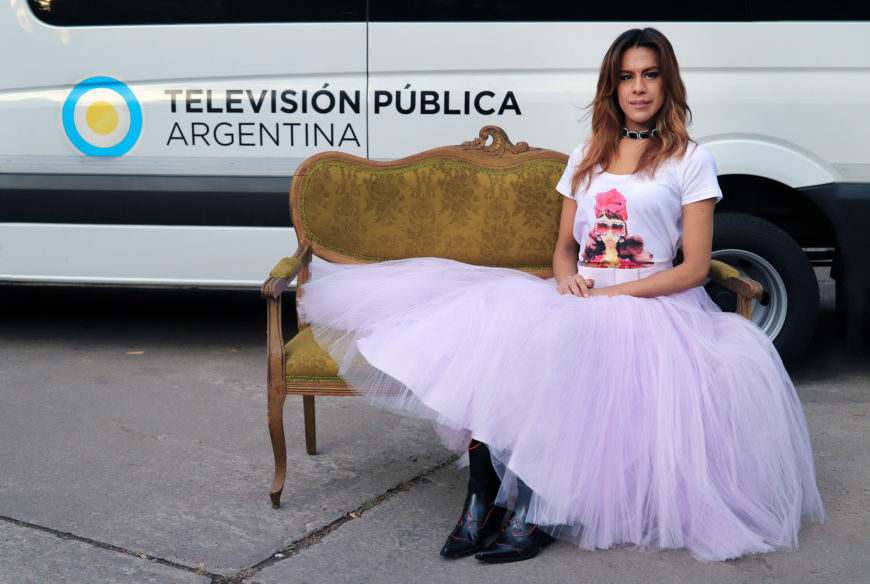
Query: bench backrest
<point x="486" y="203"/>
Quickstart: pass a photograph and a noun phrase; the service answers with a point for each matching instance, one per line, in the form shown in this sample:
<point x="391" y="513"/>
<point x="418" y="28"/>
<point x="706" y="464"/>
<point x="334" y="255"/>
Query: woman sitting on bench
<point x="614" y="404"/>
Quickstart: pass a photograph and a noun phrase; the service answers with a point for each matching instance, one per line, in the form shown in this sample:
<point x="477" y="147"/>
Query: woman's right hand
<point x="565" y="255"/>
<point x="576" y="285"/>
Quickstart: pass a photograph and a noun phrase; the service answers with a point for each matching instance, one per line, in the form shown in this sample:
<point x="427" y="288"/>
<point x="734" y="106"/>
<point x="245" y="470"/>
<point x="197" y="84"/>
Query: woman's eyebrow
<point x="642" y="71"/>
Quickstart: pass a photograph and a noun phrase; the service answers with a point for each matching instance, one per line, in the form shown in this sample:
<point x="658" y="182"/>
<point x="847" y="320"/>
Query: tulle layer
<point x="660" y="423"/>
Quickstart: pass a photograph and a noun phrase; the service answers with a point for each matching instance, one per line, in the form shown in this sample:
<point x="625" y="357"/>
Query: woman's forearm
<point x="677" y="279"/>
<point x="564" y="263"/>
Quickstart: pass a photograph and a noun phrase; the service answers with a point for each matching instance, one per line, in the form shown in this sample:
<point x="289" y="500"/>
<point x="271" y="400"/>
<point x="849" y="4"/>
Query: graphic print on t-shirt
<point x="609" y="245"/>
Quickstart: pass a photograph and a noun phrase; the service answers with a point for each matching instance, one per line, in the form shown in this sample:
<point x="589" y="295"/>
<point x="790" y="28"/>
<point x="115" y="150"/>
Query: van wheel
<point x="788" y="310"/>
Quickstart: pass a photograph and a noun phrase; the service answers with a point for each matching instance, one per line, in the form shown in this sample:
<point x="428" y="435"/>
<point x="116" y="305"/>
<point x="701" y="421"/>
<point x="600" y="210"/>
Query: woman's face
<point x="640" y="91"/>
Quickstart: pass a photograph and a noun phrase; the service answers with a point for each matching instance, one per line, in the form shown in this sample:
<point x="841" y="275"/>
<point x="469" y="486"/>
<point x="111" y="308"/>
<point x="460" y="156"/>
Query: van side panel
<point x="175" y="109"/>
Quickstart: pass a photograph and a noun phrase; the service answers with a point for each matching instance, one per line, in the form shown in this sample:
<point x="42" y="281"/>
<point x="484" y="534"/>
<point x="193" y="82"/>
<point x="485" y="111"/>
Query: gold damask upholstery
<point x="286" y="268"/>
<point x="485" y="202"/>
<point x="307" y="362"/>
<point x="440" y="208"/>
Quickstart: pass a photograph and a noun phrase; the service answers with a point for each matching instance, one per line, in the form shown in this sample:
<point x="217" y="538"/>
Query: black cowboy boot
<point x="480" y="519"/>
<point x="518" y="540"/>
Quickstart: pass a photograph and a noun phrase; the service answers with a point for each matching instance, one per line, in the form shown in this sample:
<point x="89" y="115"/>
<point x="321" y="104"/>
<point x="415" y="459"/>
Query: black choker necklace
<point x="632" y="135"/>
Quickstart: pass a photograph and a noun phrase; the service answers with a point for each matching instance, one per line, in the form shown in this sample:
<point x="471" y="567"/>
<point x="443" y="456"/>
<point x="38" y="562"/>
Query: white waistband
<point x="612" y="276"/>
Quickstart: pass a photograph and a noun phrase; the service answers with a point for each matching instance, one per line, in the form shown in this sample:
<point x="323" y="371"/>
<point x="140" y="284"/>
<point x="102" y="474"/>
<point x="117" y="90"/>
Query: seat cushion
<point x="306" y="361"/>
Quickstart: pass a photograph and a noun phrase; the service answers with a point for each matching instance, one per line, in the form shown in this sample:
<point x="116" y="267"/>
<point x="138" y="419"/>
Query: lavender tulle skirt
<point x="649" y="422"/>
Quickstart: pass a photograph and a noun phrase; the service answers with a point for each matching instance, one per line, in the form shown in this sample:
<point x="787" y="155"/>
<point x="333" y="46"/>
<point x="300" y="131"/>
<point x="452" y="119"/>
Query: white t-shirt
<point x="631" y="221"/>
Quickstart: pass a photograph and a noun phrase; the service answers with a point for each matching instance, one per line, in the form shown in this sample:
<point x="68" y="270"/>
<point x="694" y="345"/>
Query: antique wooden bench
<point x="485" y="202"/>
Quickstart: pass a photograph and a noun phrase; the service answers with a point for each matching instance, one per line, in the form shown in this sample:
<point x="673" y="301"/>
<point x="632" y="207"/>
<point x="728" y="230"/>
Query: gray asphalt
<point x="133" y="448"/>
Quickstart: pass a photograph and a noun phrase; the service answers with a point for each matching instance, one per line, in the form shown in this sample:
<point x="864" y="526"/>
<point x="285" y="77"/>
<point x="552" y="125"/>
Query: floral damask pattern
<point x="442" y="208"/>
<point x="305" y="358"/>
<point x="459" y="191"/>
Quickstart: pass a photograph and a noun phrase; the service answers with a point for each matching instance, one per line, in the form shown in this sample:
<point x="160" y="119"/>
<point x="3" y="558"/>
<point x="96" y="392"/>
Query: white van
<point x="153" y="143"/>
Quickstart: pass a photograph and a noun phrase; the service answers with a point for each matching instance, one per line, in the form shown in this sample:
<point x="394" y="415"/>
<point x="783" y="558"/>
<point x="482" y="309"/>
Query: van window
<point x="138" y="12"/>
<point x="133" y="12"/>
<point x="550" y="11"/>
<point x="634" y="10"/>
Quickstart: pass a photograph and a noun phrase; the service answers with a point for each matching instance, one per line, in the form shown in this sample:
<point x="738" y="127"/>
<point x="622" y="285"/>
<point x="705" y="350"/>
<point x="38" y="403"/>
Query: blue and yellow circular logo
<point x="102" y="117"/>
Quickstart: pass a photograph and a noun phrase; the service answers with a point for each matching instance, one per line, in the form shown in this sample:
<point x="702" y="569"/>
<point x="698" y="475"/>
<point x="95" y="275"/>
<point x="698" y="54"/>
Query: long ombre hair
<point x="671" y="137"/>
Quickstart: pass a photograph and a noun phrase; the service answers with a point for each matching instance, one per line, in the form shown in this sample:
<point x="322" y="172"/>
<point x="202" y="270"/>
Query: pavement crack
<point x="294" y="548"/>
<point x="114" y="548"/>
<point x="317" y="536"/>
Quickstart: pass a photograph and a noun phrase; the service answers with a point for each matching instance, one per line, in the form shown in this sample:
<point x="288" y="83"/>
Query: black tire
<point x="789" y="309"/>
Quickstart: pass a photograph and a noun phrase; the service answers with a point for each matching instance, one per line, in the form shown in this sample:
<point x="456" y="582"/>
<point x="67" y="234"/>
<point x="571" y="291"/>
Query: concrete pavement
<point x="133" y="448"/>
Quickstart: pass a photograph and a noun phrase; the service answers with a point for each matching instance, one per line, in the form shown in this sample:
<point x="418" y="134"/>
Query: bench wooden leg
<point x="310" y="425"/>
<point x="276" y="395"/>
<point x="279" y="446"/>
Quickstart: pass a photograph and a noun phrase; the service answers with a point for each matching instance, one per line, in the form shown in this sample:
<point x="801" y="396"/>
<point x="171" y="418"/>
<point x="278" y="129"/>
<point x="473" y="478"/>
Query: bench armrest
<point x="285" y="270"/>
<point x="280" y="277"/>
<point x="730" y="278"/>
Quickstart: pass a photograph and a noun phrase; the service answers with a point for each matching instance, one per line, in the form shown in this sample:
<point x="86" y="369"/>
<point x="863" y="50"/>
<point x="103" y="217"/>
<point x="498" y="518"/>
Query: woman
<point x="613" y="404"/>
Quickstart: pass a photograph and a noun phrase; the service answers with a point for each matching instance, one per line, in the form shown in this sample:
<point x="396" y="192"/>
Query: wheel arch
<point x="788" y="208"/>
<point x="764" y="177"/>
<point x="779" y="160"/>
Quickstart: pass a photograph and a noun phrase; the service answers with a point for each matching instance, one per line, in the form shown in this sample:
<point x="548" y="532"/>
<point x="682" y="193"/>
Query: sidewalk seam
<point x="114" y="548"/>
<point x="289" y="551"/>
<point x="317" y="535"/>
